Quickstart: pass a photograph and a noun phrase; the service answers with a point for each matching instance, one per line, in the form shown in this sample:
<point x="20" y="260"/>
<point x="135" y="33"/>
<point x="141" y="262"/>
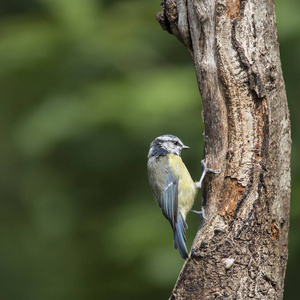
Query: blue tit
<point x="172" y="185"/>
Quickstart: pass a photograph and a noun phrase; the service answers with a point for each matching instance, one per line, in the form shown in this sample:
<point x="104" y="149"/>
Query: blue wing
<point x="168" y="200"/>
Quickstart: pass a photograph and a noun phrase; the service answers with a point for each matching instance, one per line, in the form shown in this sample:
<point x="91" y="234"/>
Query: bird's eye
<point x="176" y="144"/>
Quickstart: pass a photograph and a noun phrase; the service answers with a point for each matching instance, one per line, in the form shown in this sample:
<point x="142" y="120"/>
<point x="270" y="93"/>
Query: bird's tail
<point x="179" y="238"/>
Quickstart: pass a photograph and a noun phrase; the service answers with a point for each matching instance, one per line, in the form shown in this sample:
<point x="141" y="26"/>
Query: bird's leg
<point x="199" y="184"/>
<point x="205" y="170"/>
<point x="201" y="212"/>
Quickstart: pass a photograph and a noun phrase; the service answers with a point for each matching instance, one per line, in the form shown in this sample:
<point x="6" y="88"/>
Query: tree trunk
<point x="240" y="251"/>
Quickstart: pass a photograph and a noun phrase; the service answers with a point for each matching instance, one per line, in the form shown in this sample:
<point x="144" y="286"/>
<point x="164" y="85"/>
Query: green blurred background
<point x="85" y="87"/>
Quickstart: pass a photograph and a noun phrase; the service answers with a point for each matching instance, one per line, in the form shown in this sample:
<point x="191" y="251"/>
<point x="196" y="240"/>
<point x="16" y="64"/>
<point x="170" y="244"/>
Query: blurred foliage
<point x="86" y="85"/>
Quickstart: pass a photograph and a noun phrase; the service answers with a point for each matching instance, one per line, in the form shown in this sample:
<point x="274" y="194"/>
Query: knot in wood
<point x="220" y="9"/>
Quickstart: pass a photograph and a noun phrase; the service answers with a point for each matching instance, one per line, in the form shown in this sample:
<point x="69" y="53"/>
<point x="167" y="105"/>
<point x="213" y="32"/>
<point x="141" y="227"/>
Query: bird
<point x="172" y="185"/>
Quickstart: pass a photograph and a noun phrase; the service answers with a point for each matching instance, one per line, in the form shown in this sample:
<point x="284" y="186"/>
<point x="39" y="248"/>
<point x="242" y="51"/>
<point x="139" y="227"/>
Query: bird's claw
<point x="205" y="170"/>
<point x="201" y="212"/>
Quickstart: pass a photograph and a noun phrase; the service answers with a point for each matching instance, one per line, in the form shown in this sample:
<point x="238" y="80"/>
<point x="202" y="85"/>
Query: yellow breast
<point x="186" y="186"/>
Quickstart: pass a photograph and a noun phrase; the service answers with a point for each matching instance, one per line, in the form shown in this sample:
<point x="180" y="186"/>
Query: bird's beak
<point x="185" y="147"/>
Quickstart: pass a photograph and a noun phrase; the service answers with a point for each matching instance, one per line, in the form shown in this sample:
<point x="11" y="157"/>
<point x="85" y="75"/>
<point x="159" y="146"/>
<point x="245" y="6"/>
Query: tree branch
<point x="241" y="250"/>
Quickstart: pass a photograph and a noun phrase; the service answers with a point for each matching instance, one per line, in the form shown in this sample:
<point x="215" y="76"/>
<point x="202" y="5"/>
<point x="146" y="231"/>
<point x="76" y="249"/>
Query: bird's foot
<point x="201" y="212"/>
<point x="205" y="170"/>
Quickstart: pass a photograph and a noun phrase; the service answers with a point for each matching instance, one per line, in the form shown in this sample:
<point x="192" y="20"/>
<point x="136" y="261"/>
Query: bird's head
<point x="165" y="144"/>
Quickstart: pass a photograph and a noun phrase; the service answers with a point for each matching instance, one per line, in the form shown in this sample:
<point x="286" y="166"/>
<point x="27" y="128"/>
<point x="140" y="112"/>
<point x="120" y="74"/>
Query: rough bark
<point x="240" y="251"/>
